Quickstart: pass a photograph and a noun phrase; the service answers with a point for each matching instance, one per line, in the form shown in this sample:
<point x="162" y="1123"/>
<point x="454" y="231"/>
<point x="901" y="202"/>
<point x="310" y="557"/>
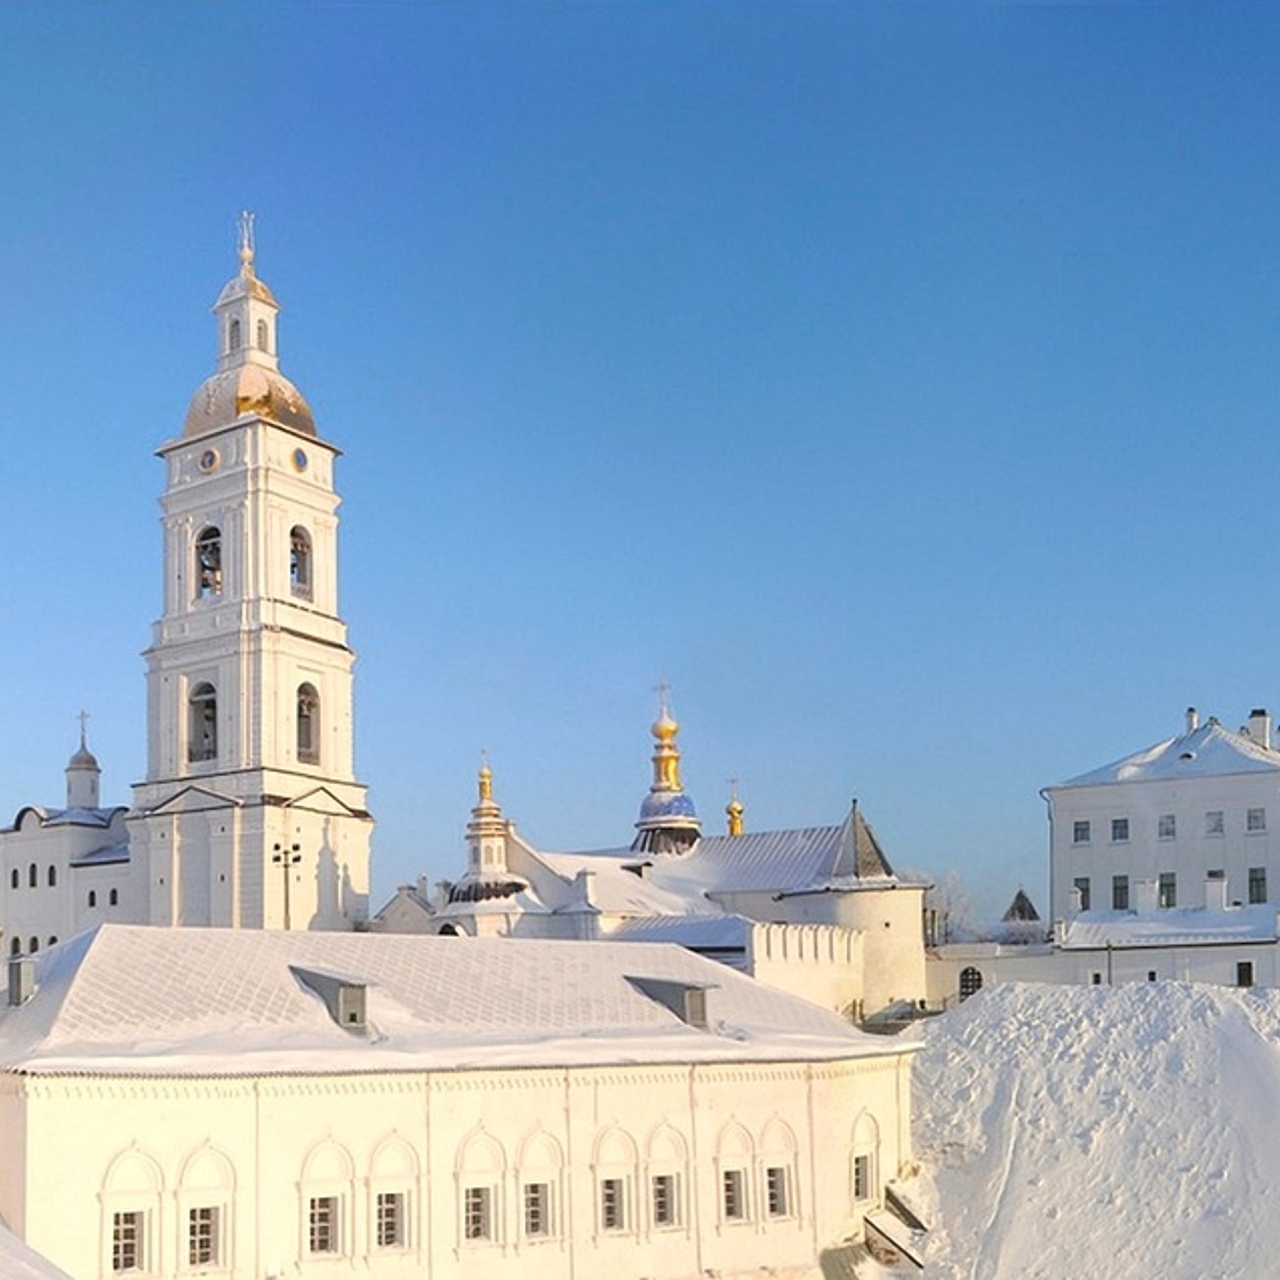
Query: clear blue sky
<point x="897" y="380"/>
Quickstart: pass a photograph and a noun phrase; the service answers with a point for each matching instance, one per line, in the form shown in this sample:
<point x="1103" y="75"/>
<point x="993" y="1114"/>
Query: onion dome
<point x="83" y="773"/>
<point x="668" y="822"/>
<point x="248" y="381"/>
<point x="734" y="811"/>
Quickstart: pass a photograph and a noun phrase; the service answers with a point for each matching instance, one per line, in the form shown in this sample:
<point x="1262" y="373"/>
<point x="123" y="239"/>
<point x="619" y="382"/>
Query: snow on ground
<point x="1122" y="1133"/>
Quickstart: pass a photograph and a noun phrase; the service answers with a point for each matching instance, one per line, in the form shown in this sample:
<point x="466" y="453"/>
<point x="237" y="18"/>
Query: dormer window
<point x="300" y="562"/>
<point x="202" y="724"/>
<point x="209" y="562"/>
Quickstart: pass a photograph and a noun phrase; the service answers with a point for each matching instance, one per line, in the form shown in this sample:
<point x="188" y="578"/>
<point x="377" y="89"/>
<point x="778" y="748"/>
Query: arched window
<point x="300" y="562"/>
<point x="209" y="562"/>
<point x="93" y="897"/>
<point x="233" y="336"/>
<point x="14" y="879"/>
<point x="53" y="876"/>
<point x="53" y="939"/>
<point x="202" y="723"/>
<point x="865" y="1171"/>
<point x="735" y="1164"/>
<point x="539" y="1174"/>
<point x="970" y="981"/>
<point x="33" y="945"/>
<point x="308" y="724"/>
<point x="666" y="1167"/>
<point x="33" y="876"/>
<point x="263" y="343"/>
<point x="114" y="899"/>
<point x="15" y="947"/>
<point x="481" y="1176"/>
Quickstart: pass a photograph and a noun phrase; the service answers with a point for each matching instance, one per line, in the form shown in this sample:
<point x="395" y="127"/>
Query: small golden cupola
<point x="248" y="381"/>
<point x="734" y="809"/>
<point x="668" y="822"/>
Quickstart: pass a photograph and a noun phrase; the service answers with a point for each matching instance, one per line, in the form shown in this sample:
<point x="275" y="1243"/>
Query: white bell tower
<point x="250" y="814"/>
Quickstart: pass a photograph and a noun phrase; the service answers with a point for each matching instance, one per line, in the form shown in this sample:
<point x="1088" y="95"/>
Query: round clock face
<point x="208" y="461"/>
<point x="299" y="459"/>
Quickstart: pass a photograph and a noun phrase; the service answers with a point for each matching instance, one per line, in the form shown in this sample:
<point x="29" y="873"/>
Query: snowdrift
<point x="1122" y="1133"/>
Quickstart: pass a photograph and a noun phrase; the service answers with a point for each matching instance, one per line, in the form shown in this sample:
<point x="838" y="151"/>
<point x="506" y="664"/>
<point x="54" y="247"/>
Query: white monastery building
<point x="266" y="1104"/>
<point x="271" y="1090"/>
<point x="817" y="911"/>
<point x="250" y="815"/>
<point x="1163" y="864"/>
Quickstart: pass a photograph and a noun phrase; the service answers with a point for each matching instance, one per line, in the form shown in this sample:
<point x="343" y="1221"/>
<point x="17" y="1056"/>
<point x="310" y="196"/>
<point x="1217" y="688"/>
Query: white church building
<point x="250" y="814"/>
<point x="209" y="1065"/>
<point x="818" y="911"/>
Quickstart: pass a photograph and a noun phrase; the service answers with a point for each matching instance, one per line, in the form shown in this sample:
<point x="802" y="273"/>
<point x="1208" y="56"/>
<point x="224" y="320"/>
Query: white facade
<point x="250" y="814"/>
<point x="501" y="1108"/>
<point x="1191" y="821"/>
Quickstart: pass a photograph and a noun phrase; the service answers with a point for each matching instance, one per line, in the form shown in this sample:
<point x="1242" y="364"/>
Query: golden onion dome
<point x="249" y="389"/>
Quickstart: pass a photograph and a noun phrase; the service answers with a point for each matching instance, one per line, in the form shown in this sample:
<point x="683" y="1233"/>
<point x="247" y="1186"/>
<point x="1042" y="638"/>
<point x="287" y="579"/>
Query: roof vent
<point x="22" y="980"/>
<point x="1193" y="719"/>
<point x="343" y="997"/>
<point x="687" y="1000"/>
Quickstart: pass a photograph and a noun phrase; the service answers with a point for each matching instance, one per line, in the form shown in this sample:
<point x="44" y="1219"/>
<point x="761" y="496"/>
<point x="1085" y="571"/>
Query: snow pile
<point x="1129" y="1132"/>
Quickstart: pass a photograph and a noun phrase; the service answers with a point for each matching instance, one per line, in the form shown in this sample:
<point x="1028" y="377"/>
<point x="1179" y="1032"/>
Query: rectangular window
<point x="1082" y="888"/>
<point x="537" y="1209"/>
<point x="202" y="1237"/>
<point x="1166" y="827"/>
<point x="1244" y="973"/>
<point x="1096" y="978"/>
<point x="1080" y="832"/>
<point x="664" y="1200"/>
<point x="1255" y="820"/>
<point x="775" y="1181"/>
<point x="322" y="1225"/>
<point x="1119" y="830"/>
<point x="613" y="1213"/>
<point x="1151" y="975"/>
<point x="1213" y="823"/>
<point x="1119" y="893"/>
<point x="862" y="1177"/>
<point x="1168" y="892"/>
<point x="126" y="1241"/>
<point x="734" y="1188"/>
<point x="1257" y="885"/>
<point x="477" y="1220"/>
<point x="389" y="1227"/>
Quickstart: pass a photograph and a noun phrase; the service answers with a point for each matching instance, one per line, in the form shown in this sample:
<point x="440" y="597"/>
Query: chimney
<point x="1193" y="719"/>
<point x="22" y="980"/>
<point x="1260" y="726"/>
<point x="1215" y="891"/>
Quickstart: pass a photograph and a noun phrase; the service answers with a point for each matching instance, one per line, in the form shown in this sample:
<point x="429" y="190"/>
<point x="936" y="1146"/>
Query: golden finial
<point x="734" y="809"/>
<point x="485" y="778"/>
<point x="245" y="223"/>
<point x="666" y="755"/>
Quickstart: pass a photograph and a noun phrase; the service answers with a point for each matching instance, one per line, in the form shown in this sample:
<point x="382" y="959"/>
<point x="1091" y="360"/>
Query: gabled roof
<point x="136" y="1000"/>
<point x="1207" y="751"/>
<point x="1021" y="910"/>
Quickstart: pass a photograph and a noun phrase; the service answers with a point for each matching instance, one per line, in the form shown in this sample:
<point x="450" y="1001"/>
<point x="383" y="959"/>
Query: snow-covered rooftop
<point x="1207" y="751"/>
<point x="136" y="1000"/>
<point x="1177" y="926"/>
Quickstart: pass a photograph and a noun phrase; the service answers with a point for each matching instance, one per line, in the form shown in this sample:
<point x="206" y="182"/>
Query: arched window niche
<point x="301" y="563"/>
<point x="233" y="336"/>
<point x="209" y="562"/>
<point x="202" y="723"/>
<point x="308" y="724"/>
<point x="264" y="336"/>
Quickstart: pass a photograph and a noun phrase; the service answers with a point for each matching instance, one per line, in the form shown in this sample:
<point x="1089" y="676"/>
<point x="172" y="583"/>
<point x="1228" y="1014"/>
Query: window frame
<point x="209" y="1239"/>
<point x="209" y="575"/>
<point x="1257" y="886"/>
<point x="1167" y="890"/>
<point x="1167" y="826"/>
<point x="1120" y="830"/>
<point x="477" y="1214"/>
<point x="128" y="1244"/>
<point x="1082" y="831"/>
<point x="1215" y="822"/>
<point x="1120" y="892"/>
<point x="664" y="1200"/>
<point x="390" y="1209"/>
<point x="324" y="1224"/>
<point x="1255" y="820"/>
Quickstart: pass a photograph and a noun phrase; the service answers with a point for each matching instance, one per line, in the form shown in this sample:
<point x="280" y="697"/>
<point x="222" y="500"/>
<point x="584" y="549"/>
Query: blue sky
<point x="897" y="380"/>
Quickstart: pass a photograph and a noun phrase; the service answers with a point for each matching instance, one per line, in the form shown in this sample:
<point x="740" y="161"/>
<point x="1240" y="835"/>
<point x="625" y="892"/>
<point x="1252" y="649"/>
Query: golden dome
<point x="247" y="390"/>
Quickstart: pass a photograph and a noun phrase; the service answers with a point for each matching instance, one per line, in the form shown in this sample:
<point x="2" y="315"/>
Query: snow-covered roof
<point x="1176" y="926"/>
<point x="17" y="1262"/>
<point x="134" y="1000"/>
<point x="77" y="817"/>
<point x="1207" y="751"/>
<point x="102" y="857"/>
<point x="723" y="932"/>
